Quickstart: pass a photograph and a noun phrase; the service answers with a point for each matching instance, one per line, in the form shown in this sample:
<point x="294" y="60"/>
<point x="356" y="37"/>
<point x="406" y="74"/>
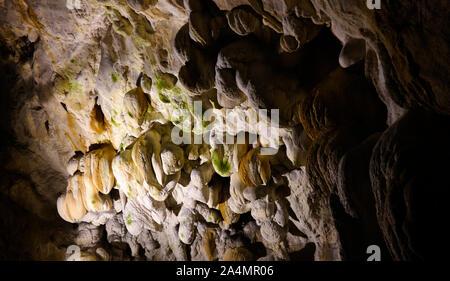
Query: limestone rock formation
<point x="149" y="130"/>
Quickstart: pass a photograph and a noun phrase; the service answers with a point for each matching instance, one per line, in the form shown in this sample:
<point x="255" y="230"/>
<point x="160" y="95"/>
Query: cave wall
<point x="92" y="90"/>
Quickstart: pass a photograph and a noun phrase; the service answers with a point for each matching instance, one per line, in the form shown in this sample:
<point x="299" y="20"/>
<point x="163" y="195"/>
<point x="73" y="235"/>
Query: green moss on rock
<point x="114" y="77"/>
<point x="221" y="165"/>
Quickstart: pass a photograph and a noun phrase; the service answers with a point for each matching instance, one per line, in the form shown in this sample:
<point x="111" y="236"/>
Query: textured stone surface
<point x="409" y="197"/>
<point x="92" y="93"/>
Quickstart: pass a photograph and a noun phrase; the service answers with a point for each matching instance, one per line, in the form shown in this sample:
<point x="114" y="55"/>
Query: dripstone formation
<point x="94" y="91"/>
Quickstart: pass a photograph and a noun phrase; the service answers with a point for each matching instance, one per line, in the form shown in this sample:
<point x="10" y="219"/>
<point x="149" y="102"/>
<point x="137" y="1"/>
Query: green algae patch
<point x="114" y="77"/>
<point x="221" y="165"/>
<point x="114" y="122"/>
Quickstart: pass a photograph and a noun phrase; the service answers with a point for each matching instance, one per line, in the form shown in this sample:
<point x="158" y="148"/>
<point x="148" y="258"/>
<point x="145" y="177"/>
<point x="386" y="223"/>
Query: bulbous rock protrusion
<point x="125" y="173"/>
<point x="254" y="168"/>
<point x="141" y="154"/>
<point x="288" y="43"/>
<point x="70" y="206"/>
<point x="98" y="165"/>
<point x="197" y="75"/>
<point x="172" y="158"/>
<point x="206" y="22"/>
<point x="297" y="33"/>
<point x="145" y="83"/>
<point x="210" y="215"/>
<point x="186" y="231"/>
<point x="243" y="20"/>
<point x="352" y="52"/>
<point x="94" y="201"/>
<point x="81" y="197"/>
<point x="134" y="107"/>
<point x="95" y="176"/>
<point x="228" y="215"/>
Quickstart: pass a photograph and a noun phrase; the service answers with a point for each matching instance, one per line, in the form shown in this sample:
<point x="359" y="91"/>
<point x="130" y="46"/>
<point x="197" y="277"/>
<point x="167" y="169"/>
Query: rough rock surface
<point x="92" y="91"/>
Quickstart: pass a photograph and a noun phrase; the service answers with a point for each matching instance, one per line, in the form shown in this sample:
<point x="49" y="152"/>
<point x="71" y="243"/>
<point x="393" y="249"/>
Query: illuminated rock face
<point x="95" y="91"/>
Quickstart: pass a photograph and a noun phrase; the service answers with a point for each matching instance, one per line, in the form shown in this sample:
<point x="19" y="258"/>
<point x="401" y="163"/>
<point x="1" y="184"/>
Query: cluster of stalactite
<point x="361" y="157"/>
